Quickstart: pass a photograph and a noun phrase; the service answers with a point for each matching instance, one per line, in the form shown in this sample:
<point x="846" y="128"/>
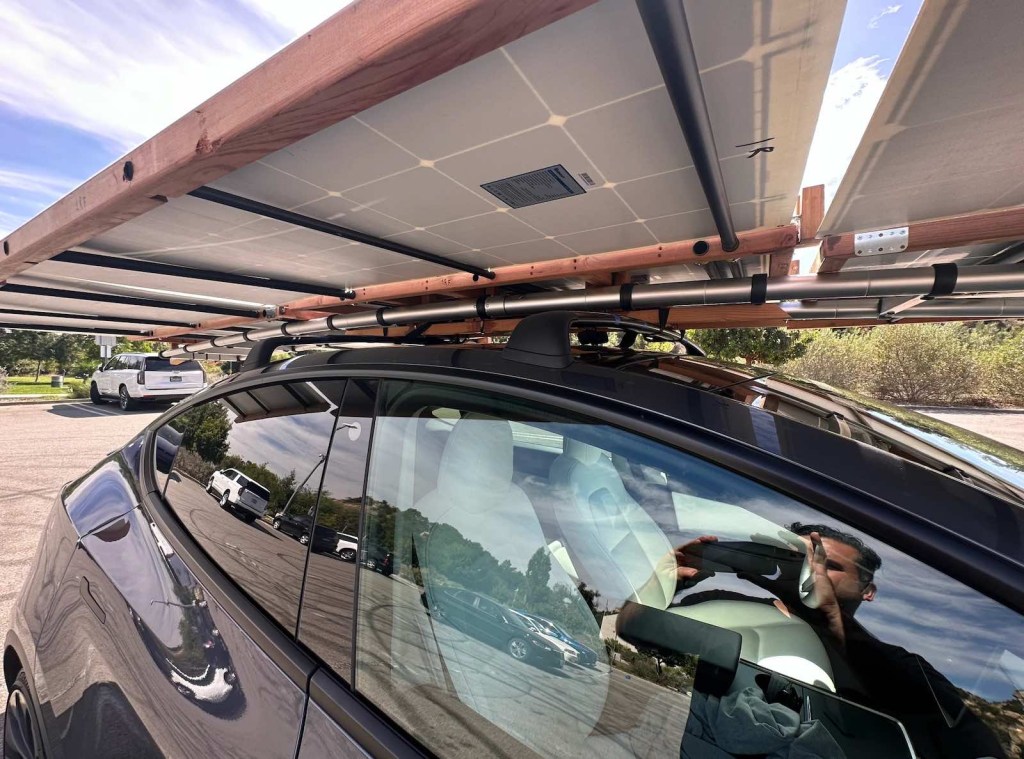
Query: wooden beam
<point x="985" y="226"/>
<point x="812" y="211"/>
<point x="781" y="263"/>
<point x="765" y="240"/>
<point x="365" y="54"/>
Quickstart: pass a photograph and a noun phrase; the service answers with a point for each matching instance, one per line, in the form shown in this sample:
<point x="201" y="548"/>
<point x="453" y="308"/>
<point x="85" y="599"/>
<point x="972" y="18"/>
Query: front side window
<point x="561" y="587"/>
<point x="240" y="461"/>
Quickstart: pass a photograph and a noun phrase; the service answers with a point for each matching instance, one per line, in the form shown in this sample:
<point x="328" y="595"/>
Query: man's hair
<point x="869" y="560"/>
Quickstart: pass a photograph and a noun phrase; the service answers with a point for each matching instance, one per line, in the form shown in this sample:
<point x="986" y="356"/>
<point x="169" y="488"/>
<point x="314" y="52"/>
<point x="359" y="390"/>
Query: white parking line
<point x="93" y="410"/>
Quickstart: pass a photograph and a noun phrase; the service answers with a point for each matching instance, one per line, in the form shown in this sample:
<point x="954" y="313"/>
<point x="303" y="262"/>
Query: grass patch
<point x="29" y="386"/>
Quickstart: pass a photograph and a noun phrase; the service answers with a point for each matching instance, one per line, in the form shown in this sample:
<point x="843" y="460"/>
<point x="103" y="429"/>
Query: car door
<point x="747" y="589"/>
<point x="174" y="629"/>
<point x="105" y="380"/>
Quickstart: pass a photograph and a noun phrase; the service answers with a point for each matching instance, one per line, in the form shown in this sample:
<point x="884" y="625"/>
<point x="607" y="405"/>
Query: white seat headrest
<point x="582" y="452"/>
<point x="477" y="457"/>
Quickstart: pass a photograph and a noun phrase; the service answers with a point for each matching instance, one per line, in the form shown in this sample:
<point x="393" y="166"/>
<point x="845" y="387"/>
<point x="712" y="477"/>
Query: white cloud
<point x="887" y="11"/>
<point x="850" y="98"/>
<point x="125" y="71"/>
<point x="36" y="184"/>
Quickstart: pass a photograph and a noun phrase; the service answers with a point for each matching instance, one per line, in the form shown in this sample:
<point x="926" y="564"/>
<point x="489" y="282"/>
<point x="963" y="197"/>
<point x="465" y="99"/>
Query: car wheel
<point x="125" y="401"/>
<point x="304" y="540"/>
<point x="22" y="739"/>
<point x="518" y="648"/>
<point x="209" y="486"/>
<point x="347" y="554"/>
<point x="94" y="394"/>
<point x="277" y="524"/>
<point x="224" y="500"/>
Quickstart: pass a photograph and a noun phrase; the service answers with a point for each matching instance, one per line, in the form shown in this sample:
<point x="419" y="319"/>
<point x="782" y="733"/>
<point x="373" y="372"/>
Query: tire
<point x="224" y="503"/>
<point x="518" y="648"/>
<point x="125" y="401"/>
<point x="22" y="739"/>
<point x="348" y="554"/>
<point x="94" y="394"/>
<point x="277" y="524"/>
<point x="209" y="486"/>
<point x="304" y="539"/>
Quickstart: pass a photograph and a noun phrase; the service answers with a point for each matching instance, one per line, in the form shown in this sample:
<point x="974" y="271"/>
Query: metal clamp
<point x="881" y="241"/>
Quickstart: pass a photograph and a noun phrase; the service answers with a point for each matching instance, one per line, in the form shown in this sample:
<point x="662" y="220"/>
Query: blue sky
<point x="83" y="83"/>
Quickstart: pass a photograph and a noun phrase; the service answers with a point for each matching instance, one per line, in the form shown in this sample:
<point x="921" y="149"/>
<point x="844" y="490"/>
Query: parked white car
<point x="348" y="546"/>
<point x="569" y="654"/>
<point x="134" y="378"/>
<point x="243" y="495"/>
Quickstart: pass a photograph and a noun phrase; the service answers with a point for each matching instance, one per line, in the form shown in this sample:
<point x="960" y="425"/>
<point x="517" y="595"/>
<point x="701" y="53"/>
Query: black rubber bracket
<point x="626" y="297"/>
<point x="945" y="281"/>
<point x="663" y="317"/>
<point x="379" y="316"/>
<point x="481" y="306"/>
<point x="758" y="289"/>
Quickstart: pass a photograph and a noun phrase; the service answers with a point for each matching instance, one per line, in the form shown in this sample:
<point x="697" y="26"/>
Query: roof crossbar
<point x="65" y="328"/>
<point x="758" y="289"/>
<point x="669" y="33"/>
<point x="187" y="272"/>
<point x="95" y="318"/>
<point x="128" y="300"/>
<point x="308" y="222"/>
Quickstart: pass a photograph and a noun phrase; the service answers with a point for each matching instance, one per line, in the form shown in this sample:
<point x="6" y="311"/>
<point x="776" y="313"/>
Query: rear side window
<point x="561" y="587"/>
<point x="278" y="454"/>
<point x="156" y="364"/>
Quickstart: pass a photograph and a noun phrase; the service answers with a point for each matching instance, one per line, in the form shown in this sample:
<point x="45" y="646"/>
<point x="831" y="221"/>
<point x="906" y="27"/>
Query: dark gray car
<point x="735" y="549"/>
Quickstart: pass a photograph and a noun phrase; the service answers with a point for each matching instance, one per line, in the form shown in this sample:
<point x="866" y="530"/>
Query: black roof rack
<point x="261" y="352"/>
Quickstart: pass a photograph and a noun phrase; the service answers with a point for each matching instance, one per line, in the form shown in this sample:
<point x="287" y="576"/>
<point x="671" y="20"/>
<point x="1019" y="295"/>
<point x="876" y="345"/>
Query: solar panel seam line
<point x="669" y="34"/>
<point x="308" y="222"/>
<point x="187" y="272"/>
<point x="96" y="318"/>
<point x="127" y="300"/>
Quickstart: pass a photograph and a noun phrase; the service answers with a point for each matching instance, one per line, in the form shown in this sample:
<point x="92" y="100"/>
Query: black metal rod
<point x="65" y="328"/>
<point x="669" y="33"/>
<point x="187" y="272"/>
<point x="318" y="225"/>
<point x="126" y="300"/>
<point x="94" y="318"/>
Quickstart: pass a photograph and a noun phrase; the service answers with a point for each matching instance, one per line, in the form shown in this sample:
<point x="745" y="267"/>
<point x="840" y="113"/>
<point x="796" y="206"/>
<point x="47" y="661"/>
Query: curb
<point x="965" y="409"/>
<point x="35" y="399"/>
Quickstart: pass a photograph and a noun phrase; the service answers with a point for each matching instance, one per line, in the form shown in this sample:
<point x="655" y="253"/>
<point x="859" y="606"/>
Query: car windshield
<point x="156" y="364"/>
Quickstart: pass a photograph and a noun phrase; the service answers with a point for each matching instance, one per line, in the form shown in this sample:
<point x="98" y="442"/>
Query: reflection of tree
<point x="205" y="430"/>
<point x="457" y="561"/>
<point x="1005" y="718"/>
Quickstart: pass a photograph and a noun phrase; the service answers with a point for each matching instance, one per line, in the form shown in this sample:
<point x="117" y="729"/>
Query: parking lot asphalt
<point x="42" y="446"/>
<point x="45" y="445"/>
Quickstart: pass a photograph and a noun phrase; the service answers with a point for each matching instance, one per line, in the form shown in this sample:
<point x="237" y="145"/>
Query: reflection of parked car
<point x="584" y="655"/>
<point x="300" y="527"/>
<point x="348" y="546"/>
<point x="489" y="621"/>
<point x="244" y="496"/>
<point x="378" y="561"/>
<point x="569" y="654"/>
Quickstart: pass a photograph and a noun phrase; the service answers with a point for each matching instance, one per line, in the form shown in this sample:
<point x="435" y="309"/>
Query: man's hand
<point x="821" y="592"/>
<point x="688" y="562"/>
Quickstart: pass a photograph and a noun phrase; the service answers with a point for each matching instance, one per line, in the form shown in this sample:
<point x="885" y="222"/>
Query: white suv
<point x="133" y="378"/>
<point x="243" y="495"/>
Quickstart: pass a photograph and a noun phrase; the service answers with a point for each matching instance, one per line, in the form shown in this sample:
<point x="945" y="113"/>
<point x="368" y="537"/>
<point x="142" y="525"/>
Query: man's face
<point x="842" y="570"/>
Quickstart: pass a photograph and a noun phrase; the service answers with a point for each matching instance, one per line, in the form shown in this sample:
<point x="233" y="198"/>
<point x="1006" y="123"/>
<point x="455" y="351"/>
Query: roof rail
<point x="262" y="352"/>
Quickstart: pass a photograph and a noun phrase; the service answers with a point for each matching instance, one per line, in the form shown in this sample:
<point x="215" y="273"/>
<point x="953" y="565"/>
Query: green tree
<point x="768" y="345"/>
<point x="68" y="350"/>
<point x="205" y="430"/>
<point x="538" y="573"/>
<point x="20" y="346"/>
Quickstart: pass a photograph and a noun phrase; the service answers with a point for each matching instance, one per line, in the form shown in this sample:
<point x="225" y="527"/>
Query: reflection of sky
<point x="294" y="443"/>
<point x="987" y="462"/>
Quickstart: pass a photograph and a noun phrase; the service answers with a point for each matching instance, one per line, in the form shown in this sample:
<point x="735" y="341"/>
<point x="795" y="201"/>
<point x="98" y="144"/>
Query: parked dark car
<point x="487" y="620"/>
<point x="732" y="534"/>
<point x="301" y="527"/>
<point x="586" y="656"/>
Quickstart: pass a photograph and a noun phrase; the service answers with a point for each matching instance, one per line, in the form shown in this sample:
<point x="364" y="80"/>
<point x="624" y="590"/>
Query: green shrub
<point x="79" y="389"/>
<point x="3" y="380"/>
<point x="923" y="363"/>
<point x="1002" y="367"/>
<point x="840" y="359"/>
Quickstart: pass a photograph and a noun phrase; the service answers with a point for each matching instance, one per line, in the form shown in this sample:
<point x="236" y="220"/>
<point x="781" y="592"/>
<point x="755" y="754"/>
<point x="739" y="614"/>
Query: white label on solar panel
<point x="533" y="187"/>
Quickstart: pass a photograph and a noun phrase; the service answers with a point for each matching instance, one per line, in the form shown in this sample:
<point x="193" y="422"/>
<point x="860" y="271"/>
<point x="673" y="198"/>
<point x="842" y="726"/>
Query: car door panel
<point x="141" y="660"/>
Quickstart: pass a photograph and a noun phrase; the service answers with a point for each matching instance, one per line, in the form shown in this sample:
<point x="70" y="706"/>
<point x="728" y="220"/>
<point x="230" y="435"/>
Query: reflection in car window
<point x="612" y="596"/>
<point x="329" y="592"/>
<point x="234" y="471"/>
